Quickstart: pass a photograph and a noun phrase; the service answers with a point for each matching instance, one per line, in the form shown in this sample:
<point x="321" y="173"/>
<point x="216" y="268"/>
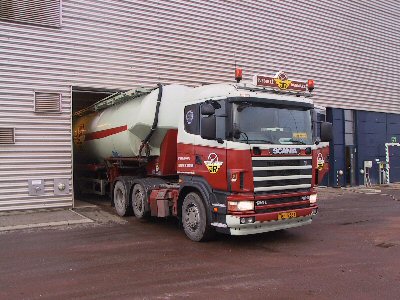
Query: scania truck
<point x="237" y="158"/>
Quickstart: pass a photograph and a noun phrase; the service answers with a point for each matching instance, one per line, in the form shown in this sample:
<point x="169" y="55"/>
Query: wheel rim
<point x="119" y="198"/>
<point x="192" y="217"/>
<point x="138" y="201"/>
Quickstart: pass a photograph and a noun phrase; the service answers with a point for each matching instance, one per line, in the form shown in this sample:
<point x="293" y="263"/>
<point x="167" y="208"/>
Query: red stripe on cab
<point x="105" y="133"/>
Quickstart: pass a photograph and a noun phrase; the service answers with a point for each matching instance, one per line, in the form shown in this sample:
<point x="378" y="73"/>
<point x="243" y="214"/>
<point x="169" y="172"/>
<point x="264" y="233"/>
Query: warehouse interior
<point x="83" y="98"/>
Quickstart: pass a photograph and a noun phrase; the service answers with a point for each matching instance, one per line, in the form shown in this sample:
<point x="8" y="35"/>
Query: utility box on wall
<point x="36" y="187"/>
<point x="61" y="186"/>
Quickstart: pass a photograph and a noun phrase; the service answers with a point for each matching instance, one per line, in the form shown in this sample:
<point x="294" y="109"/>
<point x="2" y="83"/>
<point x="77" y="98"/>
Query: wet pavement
<point x="352" y="250"/>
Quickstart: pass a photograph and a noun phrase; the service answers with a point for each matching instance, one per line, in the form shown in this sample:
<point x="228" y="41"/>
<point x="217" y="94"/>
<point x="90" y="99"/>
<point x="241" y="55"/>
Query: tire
<point x="194" y="218"/>
<point x="139" y="201"/>
<point x="121" y="201"/>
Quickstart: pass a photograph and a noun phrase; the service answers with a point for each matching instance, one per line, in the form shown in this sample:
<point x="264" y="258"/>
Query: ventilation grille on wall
<point x="38" y="12"/>
<point x="7" y="136"/>
<point x="47" y="102"/>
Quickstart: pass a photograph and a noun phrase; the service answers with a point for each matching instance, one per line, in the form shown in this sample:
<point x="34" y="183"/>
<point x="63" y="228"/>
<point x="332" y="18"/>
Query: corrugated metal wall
<point x="350" y="48"/>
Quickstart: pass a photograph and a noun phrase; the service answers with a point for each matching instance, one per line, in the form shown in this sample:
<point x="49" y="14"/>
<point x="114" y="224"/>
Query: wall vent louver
<point x="35" y="12"/>
<point x="47" y="102"/>
<point x="7" y="136"/>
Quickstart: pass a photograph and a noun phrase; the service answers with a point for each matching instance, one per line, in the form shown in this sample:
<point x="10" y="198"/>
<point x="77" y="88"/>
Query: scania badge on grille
<point x="283" y="150"/>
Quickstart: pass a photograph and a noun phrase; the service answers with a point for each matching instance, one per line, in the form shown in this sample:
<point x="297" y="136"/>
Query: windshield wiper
<point x="264" y="141"/>
<point x="298" y="142"/>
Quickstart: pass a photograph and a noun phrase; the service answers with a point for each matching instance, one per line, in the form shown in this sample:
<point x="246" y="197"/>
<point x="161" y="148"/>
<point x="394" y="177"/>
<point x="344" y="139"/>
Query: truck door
<point x="186" y="139"/>
<point x="210" y="155"/>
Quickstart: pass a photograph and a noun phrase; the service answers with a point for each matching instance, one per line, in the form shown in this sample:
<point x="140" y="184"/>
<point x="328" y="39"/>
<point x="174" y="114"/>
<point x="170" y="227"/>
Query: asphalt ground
<point x="350" y="251"/>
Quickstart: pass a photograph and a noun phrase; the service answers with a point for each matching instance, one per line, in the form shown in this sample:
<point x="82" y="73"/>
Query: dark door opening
<point x="350" y="175"/>
<point x="83" y="98"/>
<point x="350" y="152"/>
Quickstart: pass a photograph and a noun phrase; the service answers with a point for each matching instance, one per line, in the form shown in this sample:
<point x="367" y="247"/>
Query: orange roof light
<point x="310" y="85"/>
<point x="238" y="74"/>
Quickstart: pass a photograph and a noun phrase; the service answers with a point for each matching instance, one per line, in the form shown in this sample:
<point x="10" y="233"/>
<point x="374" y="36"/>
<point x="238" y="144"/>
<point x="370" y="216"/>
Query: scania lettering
<point x="236" y="158"/>
<point x="285" y="151"/>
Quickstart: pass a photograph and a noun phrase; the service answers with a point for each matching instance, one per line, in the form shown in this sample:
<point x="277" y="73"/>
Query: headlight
<point x="313" y="198"/>
<point x="240" y="205"/>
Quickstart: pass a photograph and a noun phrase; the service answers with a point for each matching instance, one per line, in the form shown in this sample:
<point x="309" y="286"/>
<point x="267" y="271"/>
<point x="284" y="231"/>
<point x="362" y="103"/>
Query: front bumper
<point x="267" y="222"/>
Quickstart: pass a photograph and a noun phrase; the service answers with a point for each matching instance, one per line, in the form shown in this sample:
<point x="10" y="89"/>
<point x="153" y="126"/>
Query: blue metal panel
<point x="393" y="119"/>
<point x="371" y="136"/>
<point x="369" y="116"/>
<point x="372" y="128"/>
<point x="336" y="114"/>
<point x="393" y="127"/>
<point x="336" y="117"/>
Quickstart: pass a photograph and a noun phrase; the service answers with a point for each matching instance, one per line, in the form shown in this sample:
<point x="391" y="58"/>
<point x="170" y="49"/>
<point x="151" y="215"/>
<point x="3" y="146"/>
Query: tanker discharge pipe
<point x="155" y="122"/>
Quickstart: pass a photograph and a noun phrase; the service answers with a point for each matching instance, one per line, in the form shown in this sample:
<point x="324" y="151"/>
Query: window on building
<point x="35" y="12"/>
<point x="349" y="127"/>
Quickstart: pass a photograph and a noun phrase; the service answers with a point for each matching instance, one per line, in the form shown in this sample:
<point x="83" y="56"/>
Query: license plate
<point x="286" y="215"/>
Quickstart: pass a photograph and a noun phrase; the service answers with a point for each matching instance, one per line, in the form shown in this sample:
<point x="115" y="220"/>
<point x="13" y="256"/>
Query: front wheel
<point x="194" y="218"/>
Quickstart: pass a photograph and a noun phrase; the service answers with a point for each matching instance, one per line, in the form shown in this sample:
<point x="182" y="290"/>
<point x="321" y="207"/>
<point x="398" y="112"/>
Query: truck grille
<point x="282" y="174"/>
<point x="269" y="210"/>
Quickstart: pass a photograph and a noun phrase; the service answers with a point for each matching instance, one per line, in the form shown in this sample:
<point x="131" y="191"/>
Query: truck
<point x="237" y="158"/>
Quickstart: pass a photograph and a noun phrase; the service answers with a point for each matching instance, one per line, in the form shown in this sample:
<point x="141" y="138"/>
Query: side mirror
<point x="208" y="128"/>
<point x="207" y="109"/>
<point x="236" y="133"/>
<point x="326" y="132"/>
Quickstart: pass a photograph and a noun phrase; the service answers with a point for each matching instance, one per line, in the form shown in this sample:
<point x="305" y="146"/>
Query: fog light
<point x="314" y="211"/>
<point x="247" y="220"/>
<point x="313" y="198"/>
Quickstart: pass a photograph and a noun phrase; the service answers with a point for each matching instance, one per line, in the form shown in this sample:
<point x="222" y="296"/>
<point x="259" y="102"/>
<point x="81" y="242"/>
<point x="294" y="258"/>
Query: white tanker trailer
<point x="236" y="158"/>
<point x="119" y="130"/>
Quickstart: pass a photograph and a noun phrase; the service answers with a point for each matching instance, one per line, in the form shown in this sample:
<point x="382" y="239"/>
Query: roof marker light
<point x="310" y="85"/>
<point x="238" y="74"/>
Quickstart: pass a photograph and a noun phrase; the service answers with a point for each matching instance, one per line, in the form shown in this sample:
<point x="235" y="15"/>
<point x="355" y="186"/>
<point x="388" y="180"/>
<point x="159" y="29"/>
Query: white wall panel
<point x="350" y="48"/>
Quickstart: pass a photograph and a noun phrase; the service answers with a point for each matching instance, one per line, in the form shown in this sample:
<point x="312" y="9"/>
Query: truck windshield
<point x="271" y="125"/>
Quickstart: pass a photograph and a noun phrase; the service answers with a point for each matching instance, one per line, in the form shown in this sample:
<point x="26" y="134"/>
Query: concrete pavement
<point x="352" y="250"/>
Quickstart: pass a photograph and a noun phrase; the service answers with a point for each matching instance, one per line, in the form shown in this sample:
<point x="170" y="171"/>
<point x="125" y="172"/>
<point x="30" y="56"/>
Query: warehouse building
<point x="59" y="56"/>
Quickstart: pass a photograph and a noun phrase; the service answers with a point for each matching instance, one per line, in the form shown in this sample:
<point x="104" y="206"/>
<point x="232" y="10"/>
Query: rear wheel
<point x="139" y="201"/>
<point x="194" y="218"/>
<point x="121" y="201"/>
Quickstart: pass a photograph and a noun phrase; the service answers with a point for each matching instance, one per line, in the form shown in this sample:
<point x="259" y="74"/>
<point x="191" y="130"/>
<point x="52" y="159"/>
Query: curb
<point x="48" y="224"/>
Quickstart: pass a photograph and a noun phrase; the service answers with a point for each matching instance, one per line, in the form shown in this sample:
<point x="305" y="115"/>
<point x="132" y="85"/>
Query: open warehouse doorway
<point x="83" y="98"/>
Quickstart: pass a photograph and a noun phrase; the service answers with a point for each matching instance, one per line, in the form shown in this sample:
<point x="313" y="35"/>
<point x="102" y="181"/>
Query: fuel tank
<point x="118" y="131"/>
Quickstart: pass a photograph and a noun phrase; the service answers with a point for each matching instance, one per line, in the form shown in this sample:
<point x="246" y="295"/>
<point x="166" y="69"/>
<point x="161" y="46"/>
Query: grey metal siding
<point x="38" y="12"/>
<point x="350" y="49"/>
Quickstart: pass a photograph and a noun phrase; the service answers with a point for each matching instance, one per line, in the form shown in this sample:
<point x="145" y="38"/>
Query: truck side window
<point x="192" y="119"/>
